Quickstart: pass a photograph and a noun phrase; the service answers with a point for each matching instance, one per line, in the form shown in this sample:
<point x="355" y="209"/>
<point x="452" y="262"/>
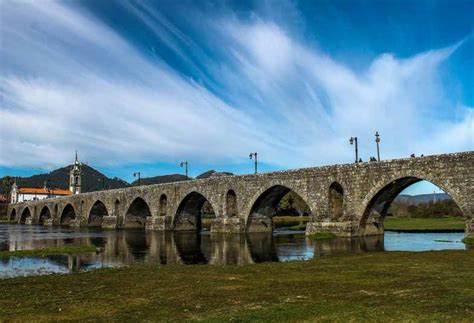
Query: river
<point x="125" y="247"/>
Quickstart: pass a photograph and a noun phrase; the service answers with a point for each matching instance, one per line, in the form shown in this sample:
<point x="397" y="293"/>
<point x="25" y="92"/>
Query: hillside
<point x="213" y="173"/>
<point x="177" y="178"/>
<point x="161" y="179"/>
<point x="59" y="178"/>
<point x="422" y="198"/>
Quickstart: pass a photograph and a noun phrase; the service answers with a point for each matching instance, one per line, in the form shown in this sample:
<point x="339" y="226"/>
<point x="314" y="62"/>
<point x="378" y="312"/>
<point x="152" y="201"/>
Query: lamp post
<point x="352" y="141"/>
<point x="377" y="140"/>
<point x="185" y="164"/>
<point x="254" y="156"/>
<point x="135" y="175"/>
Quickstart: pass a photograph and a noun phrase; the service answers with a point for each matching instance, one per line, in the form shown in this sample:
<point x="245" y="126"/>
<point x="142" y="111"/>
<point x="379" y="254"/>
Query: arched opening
<point x="116" y="207"/>
<point x="163" y="206"/>
<point x="231" y="204"/>
<point x="24" y="215"/>
<point x="68" y="215"/>
<point x="278" y="206"/>
<point x="336" y="201"/>
<point x="137" y="214"/>
<point x="402" y="205"/>
<point x="195" y="213"/>
<point x="96" y="214"/>
<point x="45" y="214"/>
<point x="13" y="215"/>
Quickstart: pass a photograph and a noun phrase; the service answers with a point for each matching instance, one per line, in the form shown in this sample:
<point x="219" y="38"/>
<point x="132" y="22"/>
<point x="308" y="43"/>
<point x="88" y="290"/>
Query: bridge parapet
<point x="348" y="199"/>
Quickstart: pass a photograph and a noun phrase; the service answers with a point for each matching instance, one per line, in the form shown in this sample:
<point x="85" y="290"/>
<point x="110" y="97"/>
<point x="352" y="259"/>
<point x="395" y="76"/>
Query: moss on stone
<point x="323" y="236"/>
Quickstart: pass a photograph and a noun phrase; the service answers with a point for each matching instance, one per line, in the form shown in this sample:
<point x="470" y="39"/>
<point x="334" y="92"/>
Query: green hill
<point x="160" y="179"/>
<point x="92" y="180"/>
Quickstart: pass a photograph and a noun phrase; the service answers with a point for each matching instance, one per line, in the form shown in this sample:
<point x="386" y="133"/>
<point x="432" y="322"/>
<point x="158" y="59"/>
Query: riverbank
<point x="402" y="286"/>
<point x="444" y="224"/>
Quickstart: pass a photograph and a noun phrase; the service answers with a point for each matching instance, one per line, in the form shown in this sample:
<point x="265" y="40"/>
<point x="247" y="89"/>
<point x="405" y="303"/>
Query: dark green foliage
<point x="425" y="210"/>
<point x="292" y="205"/>
<point x="92" y="180"/>
<point x="468" y="240"/>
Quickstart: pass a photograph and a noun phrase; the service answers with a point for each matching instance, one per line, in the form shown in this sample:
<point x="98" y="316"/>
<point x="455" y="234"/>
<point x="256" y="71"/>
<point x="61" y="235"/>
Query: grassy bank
<point x="402" y="286"/>
<point x="48" y="251"/>
<point x="468" y="240"/>
<point x="424" y="224"/>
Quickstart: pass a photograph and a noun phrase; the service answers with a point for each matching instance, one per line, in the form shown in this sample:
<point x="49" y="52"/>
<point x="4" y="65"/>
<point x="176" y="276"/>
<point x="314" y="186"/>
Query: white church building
<point x="22" y="194"/>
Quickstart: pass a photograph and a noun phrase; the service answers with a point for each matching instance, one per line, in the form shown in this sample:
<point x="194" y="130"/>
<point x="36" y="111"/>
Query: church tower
<point x="75" y="177"/>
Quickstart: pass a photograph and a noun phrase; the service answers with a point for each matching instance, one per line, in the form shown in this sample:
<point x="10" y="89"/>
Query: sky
<point x="143" y="85"/>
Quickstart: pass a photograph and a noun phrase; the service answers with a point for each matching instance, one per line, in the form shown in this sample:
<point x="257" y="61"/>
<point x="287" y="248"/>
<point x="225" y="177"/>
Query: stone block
<point x="109" y="222"/>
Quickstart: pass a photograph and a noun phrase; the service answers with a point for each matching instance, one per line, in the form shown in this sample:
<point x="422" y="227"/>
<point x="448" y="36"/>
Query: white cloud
<point x="68" y="82"/>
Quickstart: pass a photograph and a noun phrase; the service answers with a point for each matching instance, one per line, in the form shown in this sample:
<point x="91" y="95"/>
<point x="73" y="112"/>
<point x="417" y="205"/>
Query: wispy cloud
<point x="69" y="81"/>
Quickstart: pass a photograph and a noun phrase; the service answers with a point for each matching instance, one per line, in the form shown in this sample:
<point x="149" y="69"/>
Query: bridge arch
<point x="336" y="201"/>
<point x="231" y="208"/>
<point x="24" y="215"/>
<point x="264" y="207"/>
<point x="96" y="214"/>
<point x="12" y="215"/>
<point x="137" y="213"/>
<point x="189" y="214"/>
<point x="163" y="205"/>
<point x="44" y="214"/>
<point x="376" y="204"/>
<point x="67" y="215"/>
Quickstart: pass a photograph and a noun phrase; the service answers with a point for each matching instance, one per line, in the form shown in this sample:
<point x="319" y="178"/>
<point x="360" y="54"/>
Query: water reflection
<point x="126" y="247"/>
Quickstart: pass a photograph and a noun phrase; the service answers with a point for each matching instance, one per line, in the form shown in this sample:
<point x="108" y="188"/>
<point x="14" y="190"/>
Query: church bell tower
<point x="75" y="177"/>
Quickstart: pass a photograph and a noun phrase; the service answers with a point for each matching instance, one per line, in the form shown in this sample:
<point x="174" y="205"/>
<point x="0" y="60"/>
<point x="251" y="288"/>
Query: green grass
<point x="48" y="251"/>
<point x="468" y="240"/>
<point x="424" y="224"/>
<point x="323" y="236"/>
<point x="382" y="286"/>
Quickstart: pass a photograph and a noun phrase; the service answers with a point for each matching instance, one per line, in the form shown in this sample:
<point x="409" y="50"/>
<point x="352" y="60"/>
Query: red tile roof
<point x="42" y="190"/>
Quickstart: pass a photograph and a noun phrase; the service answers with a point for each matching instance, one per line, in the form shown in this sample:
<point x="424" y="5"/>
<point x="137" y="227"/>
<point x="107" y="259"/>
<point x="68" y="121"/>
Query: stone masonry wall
<point x="368" y="189"/>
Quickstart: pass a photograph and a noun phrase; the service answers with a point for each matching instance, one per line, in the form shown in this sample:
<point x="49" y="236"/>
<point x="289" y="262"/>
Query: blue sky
<point x="140" y="86"/>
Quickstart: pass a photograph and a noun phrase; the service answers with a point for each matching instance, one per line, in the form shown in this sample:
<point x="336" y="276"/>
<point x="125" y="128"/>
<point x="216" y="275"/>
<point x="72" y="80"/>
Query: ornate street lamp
<point x="352" y="141"/>
<point x="377" y="140"/>
<point x="135" y="175"/>
<point x="254" y="156"/>
<point x="185" y="164"/>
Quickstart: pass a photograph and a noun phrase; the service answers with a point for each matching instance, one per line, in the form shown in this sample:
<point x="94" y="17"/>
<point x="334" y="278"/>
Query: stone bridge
<point x="348" y="200"/>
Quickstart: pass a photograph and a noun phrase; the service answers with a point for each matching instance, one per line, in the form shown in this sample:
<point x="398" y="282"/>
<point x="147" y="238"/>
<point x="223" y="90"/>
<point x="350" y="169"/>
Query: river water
<point x="126" y="247"/>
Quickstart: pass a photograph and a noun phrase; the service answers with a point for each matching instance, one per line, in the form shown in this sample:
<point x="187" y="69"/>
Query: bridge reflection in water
<point x="127" y="247"/>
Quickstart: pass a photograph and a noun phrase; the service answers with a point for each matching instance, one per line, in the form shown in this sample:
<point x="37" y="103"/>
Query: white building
<point x="22" y="194"/>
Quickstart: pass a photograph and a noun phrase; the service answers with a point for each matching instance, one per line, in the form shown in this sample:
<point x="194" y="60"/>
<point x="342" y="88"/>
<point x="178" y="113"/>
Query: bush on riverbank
<point x="468" y="240"/>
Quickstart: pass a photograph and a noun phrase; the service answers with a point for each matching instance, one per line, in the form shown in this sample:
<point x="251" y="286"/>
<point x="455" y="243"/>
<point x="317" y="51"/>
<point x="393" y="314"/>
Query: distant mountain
<point x="161" y="179"/>
<point x="422" y="198"/>
<point x="92" y="180"/>
<point x="213" y="173"/>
